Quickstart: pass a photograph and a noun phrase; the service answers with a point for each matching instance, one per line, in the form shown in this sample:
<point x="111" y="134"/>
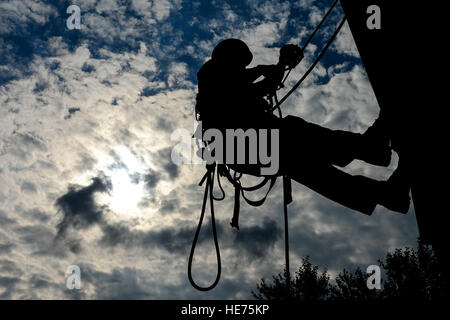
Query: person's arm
<point x="251" y="74"/>
<point x="290" y="56"/>
<point x="273" y="76"/>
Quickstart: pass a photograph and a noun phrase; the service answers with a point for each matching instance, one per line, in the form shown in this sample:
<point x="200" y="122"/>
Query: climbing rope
<point x="223" y="170"/>
<point x="287" y="198"/>
<point x="299" y="82"/>
<point x="311" y="36"/>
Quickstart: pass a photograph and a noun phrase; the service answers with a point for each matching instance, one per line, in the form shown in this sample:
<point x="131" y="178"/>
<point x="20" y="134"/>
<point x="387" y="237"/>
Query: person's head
<point x="232" y="53"/>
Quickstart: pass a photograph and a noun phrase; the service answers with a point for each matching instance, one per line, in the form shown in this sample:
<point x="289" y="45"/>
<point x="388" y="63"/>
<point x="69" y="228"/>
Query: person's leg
<point x="335" y="146"/>
<point x="313" y="141"/>
<point x="355" y="192"/>
<point x="307" y="155"/>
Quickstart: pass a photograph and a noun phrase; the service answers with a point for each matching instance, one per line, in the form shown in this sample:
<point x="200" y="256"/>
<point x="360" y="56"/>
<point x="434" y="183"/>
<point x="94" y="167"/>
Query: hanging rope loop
<point x="209" y="178"/>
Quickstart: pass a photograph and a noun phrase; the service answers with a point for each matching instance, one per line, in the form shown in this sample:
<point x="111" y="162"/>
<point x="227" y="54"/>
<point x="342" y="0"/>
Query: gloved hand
<point x="269" y="70"/>
<point x="273" y="72"/>
<point x="290" y="55"/>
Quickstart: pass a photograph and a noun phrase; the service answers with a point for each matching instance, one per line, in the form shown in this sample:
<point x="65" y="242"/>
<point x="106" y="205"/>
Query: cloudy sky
<point x="86" y="176"/>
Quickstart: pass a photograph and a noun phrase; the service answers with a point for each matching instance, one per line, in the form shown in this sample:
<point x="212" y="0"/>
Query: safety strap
<point x="240" y="190"/>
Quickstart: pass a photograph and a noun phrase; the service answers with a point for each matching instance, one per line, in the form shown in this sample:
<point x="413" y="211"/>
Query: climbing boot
<point x="394" y="193"/>
<point x="375" y="147"/>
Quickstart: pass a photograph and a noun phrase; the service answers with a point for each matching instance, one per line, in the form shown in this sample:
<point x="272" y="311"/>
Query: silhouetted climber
<point x="229" y="97"/>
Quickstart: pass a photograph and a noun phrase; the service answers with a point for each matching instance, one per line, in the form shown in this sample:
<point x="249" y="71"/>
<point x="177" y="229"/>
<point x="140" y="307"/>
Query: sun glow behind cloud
<point x="125" y="194"/>
<point x="127" y="186"/>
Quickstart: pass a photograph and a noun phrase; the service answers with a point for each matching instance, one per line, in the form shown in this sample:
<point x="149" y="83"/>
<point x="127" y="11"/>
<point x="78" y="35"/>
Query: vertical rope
<point x="319" y="25"/>
<point x="311" y="36"/>
<point x="286" y="198"/>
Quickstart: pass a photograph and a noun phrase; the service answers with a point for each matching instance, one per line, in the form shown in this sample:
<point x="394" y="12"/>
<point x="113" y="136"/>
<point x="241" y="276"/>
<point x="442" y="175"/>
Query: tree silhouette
<point x="307" y="285"/>
<point x="413" y="275"/>
<point x="352" y="287"/>
<point x="408" y="275"/>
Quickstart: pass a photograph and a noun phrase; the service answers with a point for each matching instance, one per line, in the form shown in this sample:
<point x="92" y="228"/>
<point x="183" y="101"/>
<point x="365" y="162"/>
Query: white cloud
<point x="344" y="42"/>
<point x="15" y="14"/>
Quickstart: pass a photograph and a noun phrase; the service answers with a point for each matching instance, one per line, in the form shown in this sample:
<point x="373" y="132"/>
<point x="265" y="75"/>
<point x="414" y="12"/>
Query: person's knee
<point x="293" y="120"/>
<point x="292" y="126"/>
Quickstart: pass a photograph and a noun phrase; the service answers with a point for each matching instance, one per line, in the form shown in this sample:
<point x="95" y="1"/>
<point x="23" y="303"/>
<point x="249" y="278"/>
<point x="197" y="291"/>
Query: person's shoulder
<point x="207" y="67"/>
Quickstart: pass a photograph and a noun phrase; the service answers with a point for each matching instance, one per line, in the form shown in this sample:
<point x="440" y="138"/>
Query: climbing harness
<point x="224" y="171"/>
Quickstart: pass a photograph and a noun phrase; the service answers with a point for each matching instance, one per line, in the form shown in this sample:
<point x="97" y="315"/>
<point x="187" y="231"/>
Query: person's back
<point x="221" y="96"/>
<point x="225" y="96"/>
